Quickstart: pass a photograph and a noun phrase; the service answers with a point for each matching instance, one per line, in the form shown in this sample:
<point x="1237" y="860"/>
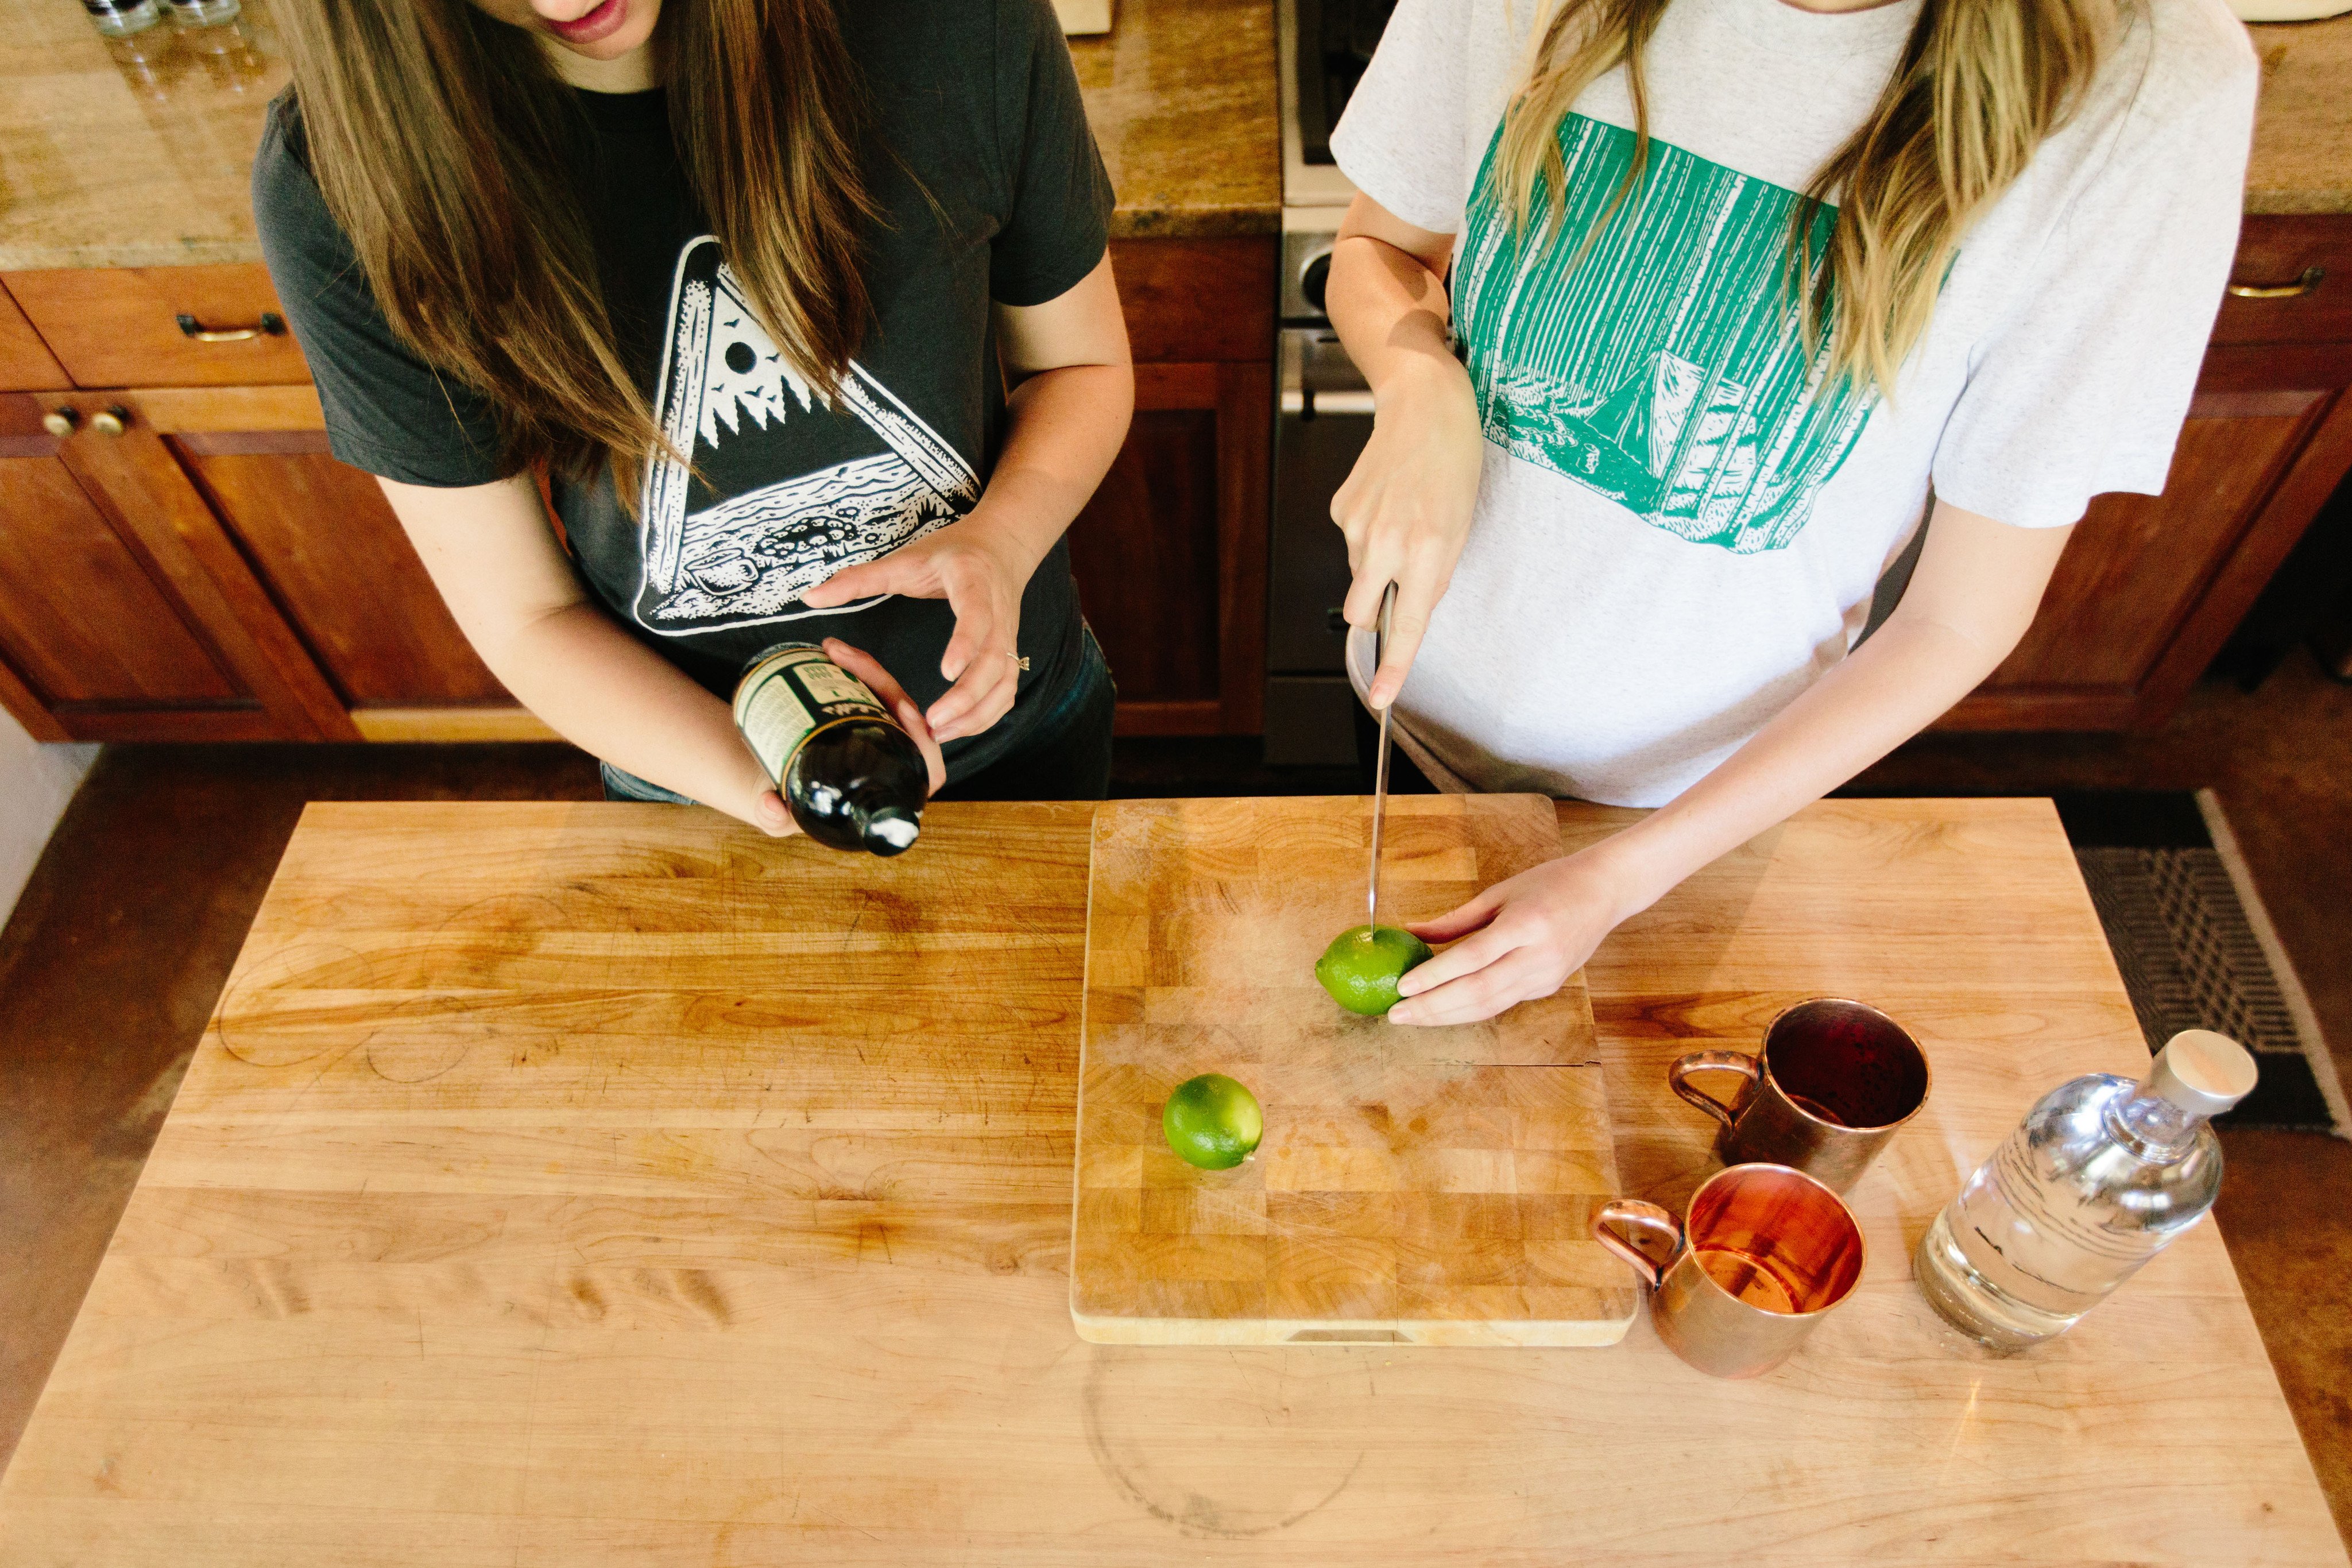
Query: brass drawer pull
<point x="272" y="325"/>
<point x="2300" y="286"/>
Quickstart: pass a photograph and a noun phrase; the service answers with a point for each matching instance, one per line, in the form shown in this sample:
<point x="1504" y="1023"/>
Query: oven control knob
<point x="1314" y="278"/>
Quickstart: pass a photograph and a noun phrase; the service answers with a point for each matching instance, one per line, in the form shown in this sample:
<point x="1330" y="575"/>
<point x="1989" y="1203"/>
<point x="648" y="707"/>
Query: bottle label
<point x="2058" y="1218"/>
<point x="790" y="692"/>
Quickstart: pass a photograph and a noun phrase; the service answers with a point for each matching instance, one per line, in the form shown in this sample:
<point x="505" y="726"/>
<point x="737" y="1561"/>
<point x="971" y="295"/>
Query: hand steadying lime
<point x="1213" y="1121"/>
<point x="1362" y="966"/>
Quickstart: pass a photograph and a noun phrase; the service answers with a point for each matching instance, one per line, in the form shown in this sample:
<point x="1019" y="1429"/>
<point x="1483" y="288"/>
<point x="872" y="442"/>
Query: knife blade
<point x="1379" y="762"/>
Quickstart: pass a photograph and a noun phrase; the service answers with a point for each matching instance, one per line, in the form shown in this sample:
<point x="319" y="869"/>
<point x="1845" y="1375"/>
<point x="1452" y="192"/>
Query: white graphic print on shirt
<point x="746" y="558"/>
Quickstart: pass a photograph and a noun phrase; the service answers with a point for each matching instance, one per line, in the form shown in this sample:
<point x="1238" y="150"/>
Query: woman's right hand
<point x="1405" y="508"/>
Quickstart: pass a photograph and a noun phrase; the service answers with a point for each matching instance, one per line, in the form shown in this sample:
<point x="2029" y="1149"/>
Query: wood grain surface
<point x="565" y="1185"/>
<point x="1423" y="1186"/>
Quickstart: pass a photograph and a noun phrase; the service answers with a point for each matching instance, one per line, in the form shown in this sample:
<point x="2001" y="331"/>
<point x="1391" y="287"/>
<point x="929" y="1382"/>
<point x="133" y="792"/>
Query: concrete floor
<point x="115" y="955"/>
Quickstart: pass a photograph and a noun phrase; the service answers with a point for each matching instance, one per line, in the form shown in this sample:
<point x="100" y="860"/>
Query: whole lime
<point x="1362" y="966"/>
<point x="1213" y="1121"/>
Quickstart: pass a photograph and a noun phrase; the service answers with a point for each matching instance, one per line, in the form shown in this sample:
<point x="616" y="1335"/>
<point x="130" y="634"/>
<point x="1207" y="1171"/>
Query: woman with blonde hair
<point x="1743" y="295"/>
<point x="746" y="281"/>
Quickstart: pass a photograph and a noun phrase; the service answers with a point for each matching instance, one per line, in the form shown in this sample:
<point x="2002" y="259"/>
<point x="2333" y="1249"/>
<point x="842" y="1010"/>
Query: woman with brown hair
<point x="1745" y="294"/>
<point x="746" y="280"/>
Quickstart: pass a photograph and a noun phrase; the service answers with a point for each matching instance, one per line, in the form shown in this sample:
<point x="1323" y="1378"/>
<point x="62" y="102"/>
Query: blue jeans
<point x="1068" y="758"/>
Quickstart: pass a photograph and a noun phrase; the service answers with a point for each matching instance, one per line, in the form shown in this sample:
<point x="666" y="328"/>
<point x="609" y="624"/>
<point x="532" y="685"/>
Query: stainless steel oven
<point x="1323" y="411"/>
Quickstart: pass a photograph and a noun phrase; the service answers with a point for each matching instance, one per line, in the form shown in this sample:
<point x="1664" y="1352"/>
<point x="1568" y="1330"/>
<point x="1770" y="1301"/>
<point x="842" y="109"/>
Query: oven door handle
<point x="1295" y="397"/>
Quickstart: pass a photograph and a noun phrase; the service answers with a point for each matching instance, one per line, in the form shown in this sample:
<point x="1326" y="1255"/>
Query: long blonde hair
<point x="1979" y="85"/>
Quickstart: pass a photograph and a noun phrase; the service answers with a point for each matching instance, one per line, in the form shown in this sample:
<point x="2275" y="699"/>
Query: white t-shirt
<point x="1678" y="529"/>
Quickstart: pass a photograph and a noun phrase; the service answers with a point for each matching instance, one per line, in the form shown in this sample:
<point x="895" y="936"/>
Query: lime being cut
<point x="1363" y="964"/>
<point x="1213" y="1121"/>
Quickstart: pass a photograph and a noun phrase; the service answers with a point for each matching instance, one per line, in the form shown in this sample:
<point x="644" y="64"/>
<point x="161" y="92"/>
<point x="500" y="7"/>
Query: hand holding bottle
<point x="855" y="781"/>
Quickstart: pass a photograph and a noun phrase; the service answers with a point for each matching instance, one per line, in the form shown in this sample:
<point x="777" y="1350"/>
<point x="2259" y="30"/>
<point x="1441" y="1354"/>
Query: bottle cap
<point x="889" y="830"/>
<point x="2202" y="1073"/>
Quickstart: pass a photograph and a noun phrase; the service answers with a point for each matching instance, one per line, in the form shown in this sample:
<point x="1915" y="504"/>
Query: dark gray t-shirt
<point x="991" y="190"/>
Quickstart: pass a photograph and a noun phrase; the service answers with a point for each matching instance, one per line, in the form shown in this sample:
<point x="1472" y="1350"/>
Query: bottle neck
<point x="2153" y="1127"/>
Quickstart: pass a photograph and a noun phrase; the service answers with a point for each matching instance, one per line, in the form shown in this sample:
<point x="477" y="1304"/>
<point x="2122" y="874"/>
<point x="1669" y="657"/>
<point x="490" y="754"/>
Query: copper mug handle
<point x="1648" y="1219"/>
<point x="1740" y="1061"/>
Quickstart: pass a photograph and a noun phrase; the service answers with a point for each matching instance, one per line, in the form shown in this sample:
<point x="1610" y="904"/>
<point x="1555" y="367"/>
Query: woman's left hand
<point x="1518" y="940"/>
<point x="980" y="570"/>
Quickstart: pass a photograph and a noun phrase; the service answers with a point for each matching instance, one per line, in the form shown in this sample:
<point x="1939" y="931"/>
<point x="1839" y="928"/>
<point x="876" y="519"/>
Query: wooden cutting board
<point x="1418" y="1186"/>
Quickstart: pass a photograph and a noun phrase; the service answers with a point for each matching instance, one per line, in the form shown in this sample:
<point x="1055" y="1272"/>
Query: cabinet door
<point x="25" y="362"/>
<point x="2151" y="586"/>
<point x="334" y="558"/>
<point x="1169" y="554"/>
<point x="110" y="628"/>
<point x="332" y="561"/>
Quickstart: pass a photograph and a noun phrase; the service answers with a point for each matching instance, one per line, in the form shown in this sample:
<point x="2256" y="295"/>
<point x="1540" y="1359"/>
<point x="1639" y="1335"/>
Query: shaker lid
<point x="2202" y="1073"/>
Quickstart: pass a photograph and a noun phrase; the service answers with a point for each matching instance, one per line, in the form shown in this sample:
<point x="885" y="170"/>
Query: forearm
<point x="617" y="699"/>
<point x="492" y="552"/>
<point x="1066" y="428"/>
<point x="1887" y="690"/>
<point x="1392" y="314"/>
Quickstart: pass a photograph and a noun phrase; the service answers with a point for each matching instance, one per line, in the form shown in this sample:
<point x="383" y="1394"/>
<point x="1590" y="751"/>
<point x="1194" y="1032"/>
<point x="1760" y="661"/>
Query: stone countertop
<point x="1182" y="95"/>
<point x="129" y="153"/>
<point x="135" y="153"/>
<point x="2303" y="131"/>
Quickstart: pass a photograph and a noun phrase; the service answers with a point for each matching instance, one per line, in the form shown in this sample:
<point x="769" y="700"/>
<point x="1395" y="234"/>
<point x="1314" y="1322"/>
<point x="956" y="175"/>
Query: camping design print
<point x="1666" y="366"/>
<point x="727" y="545"/>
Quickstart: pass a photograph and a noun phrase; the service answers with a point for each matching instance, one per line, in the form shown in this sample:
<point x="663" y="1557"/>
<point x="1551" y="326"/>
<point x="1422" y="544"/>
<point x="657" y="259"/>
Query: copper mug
<point x="1832" y="1083"/>
<point x="1762" y="1256"/>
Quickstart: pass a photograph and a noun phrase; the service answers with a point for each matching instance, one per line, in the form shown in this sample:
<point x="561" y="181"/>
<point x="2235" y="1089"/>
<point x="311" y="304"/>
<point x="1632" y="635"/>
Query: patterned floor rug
<point x="2196" y="949"/>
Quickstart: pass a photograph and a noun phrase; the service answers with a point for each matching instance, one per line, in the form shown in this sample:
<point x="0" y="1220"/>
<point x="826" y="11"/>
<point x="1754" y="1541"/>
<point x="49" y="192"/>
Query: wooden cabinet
<point x="162" y="326"/>
<point x="2151" y="586"/>
<point x="1171" y="554"/>
<point x="211" y="572"/>
<point x="217" y="577"/>
<point x="25" y="362"/>
<point x="188" y="562"/>
<point x="325" y="544"/>
<point x="123" y="614"/>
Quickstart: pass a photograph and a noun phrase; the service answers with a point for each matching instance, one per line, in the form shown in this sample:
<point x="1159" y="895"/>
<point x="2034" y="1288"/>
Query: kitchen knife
<point x="1379" y="762"/>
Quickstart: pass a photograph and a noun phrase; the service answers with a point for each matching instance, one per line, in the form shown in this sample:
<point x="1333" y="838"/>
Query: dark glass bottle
<point x="852" y="779"/>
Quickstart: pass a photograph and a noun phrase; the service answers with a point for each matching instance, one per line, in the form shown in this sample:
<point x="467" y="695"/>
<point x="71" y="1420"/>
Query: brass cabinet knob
<point x="111" y="421"/>
<point x="61" y="421"/>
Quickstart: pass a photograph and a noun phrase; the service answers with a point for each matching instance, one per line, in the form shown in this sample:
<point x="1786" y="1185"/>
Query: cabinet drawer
<point x="2312" y="257"/>
<point x="120" y="326"/>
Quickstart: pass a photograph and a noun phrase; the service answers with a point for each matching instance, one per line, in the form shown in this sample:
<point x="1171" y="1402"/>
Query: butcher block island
<point x="562" y="1184"/>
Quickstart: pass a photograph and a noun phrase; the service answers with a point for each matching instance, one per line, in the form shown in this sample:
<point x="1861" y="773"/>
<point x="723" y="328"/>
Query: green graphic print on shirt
<point x="1665" y="366"/>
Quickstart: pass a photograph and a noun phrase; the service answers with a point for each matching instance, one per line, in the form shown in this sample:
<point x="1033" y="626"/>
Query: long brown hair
<point x="440" y="138"/>
<point x="1978" y="88"/>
